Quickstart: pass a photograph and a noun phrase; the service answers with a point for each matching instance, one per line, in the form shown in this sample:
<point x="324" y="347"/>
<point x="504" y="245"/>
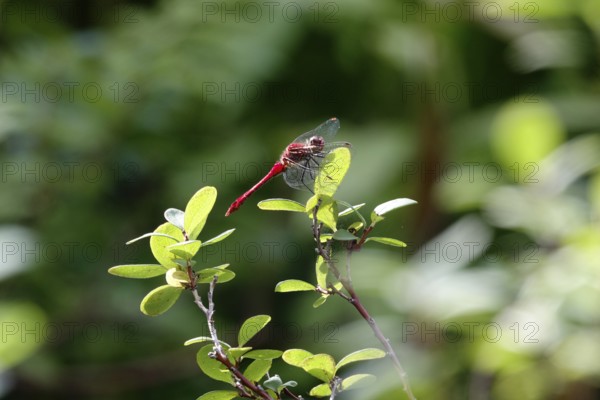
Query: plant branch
<point x="353" y="299"/>
<point x="242" y="383"/>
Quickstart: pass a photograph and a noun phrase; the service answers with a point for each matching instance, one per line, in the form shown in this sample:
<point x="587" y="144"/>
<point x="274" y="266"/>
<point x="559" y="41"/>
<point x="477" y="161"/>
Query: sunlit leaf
<point x="218" y="238"/>
<point x="360" y="355"/>
<point x="187" y="249"/>
<point x="295" y="357"/>
<point x="138" y="271"/>
<point x="159" y="244"/>
<point x="350" y="210"/>
<point x="211" y="367"/>
<point x="320" y="301"/>
<point x="263" y="354"/>
<point x="333" y="169"/>
<point x="273" y="383"/>
<point x="199" y="339"/>
<point x="358" y="381"/>
<point x="294" y="285"/>
<point x="388" y="206"/>
<point x="280" y="205"/>
<point x="197" y="210"/>
<point x="206" y="275"/>
<point x="386" y="240"/>
<point x="321" y="270"/>
<point x="257" y="369"/>
<point x="321" y="366"/>
<point x="145" y="235"/>
<point x="237" y="352"/>
<point x="321" y="390"/>
<point x="175" y="217"/>
<point x="219" y="395"/>
<point x="160" y="300"/>
<point x="177" y="278"/>
<point x="251" y="327"/>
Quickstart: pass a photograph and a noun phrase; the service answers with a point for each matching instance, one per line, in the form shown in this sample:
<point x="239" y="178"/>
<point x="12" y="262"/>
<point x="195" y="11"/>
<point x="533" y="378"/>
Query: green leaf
<point x="320" y="301"/>
<point x="218" y="238"/>
<point x="177" y="278"/>
<point x="360" y="355"/>
<point x="251" y="327"/>
<point x="219" y="395"/>
<point x="386" y="240"/>
<point x="321" y="270"/>
<point x="175" y="217"/>
<point x="280" y="205"/>
<point x="145" y="235"/>
<point x="273" y="383"/>
<point x="321" y="390"/>
<point x="327" y="213"/>
<point x="160" y="300"/>
<point x="186" y="250"/>
<point x="358" y="381"/>
<point x="257" y="369"/>
<point x="321" y="366"/>
<point x="206" y="275"/>
<point x="355" y="227"/>
<point x="332" y="171"/>
<point x="294" y="285"/>
<point x="138" y="271"/>
<point x="295" y="357"/>
<point x="197" y="210"/>
<point x="350" y="210"/>
<point x="24" y="331"/>
<point x="343" y="235"/>
<point x="237" y="352"/>
<point x="211" y="367"/>
<point x="384" y="208"/>
<point x="263" y="354"/>
<point x="159" y="244"/>
<point x="198" y="339"/>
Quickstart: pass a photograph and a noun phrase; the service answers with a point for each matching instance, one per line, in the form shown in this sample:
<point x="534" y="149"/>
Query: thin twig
<point x="353" y="299"/>
<point x="241" y="381"/>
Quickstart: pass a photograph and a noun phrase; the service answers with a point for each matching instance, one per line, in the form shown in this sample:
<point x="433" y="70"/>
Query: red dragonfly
<point x="300" y="161"/>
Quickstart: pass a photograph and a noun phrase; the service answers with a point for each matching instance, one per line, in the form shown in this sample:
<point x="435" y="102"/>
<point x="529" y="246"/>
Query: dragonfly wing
<point x="327" y="130"/>
<point x="301" y="175"/>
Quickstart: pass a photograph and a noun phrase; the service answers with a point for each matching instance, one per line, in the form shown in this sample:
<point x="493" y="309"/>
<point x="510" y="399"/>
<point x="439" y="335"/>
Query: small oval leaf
<point x="206" y="275"/>
<point x="159" y="244"/>
<point x="263" y="354"/>
<point x="138" y="271"/>
<point x="350" y="210"/>
<point x="160" y="300"/>
<point x="280" y="205"/>
<point x="218" y="238"/>
<point x="186" y="250"/>
<point x="251" y="327"/>
<point x="175" y="217"/>
<point x="343" y="235"/>
<point x="388" y="206"/>
<point x="320" y="301"/>
<point x="295" y="356"/>
<point x="176" y="278"/>
<point x="321" y="366"/>
<point x="322" y="390"/>
<point x="294" y="285"/>
<point x="257" y="369"/>
<point x="358" y="381"/>
<point x="219" y="395"/>
<point x="360" y="355"/>
<point x="211" y="367"/>
<point x="197" y="210"/>
<point x="332" y="171"/>
<point x="388" y="241"/>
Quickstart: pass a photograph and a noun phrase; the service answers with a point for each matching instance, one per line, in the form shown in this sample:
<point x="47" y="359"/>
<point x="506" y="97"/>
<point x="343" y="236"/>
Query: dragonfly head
<point x="317" y="142"/>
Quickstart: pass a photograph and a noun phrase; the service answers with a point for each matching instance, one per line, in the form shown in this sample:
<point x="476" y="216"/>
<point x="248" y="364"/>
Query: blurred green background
<point x="485" y="112"/>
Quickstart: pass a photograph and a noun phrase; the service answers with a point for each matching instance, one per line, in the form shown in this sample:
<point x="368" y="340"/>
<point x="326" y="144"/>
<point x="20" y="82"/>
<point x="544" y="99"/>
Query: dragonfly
<point x="301" y="160"/>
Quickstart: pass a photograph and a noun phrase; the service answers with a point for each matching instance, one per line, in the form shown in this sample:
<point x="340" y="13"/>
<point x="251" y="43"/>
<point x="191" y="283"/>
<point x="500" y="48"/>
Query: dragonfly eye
<point x="317" y="141"/>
